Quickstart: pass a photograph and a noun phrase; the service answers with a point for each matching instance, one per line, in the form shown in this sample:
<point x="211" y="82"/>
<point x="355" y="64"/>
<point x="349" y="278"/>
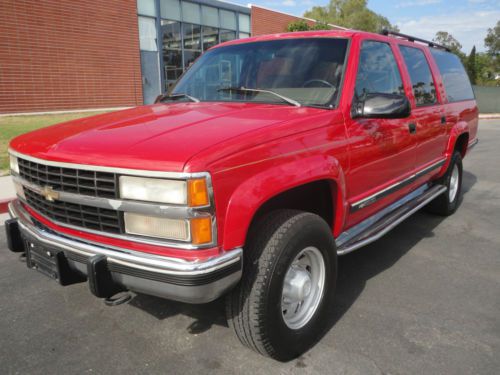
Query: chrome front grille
<point x="77" y="181"/>
<point x="78" y="215"/>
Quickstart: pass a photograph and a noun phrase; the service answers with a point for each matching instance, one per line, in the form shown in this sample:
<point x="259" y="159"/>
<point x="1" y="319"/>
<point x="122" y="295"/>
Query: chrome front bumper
<point x="171" y="278"/>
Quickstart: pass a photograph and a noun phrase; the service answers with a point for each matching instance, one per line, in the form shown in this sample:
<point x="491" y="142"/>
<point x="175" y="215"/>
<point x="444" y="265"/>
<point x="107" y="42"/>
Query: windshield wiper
<point x="178" y="96"/>
<point x="243" y="89"/>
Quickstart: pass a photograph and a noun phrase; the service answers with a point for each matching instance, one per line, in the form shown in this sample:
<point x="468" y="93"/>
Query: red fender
<point x="252" y="193"/>
<point x="457" y="130"/>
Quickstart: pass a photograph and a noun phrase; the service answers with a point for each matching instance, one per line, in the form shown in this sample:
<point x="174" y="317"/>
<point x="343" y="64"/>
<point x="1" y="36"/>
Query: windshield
<point x="307" y="71"/>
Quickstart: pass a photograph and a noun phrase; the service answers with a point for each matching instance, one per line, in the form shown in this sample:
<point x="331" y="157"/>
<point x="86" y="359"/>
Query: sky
<point x="467" y="20"/>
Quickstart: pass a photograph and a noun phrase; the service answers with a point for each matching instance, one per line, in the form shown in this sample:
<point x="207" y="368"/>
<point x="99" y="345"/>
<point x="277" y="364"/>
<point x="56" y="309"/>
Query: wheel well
<point x="315" y="197"/>
<point x="462" y="143"/>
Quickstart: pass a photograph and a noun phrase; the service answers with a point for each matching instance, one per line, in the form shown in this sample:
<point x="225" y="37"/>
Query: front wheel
<point x="280" y="309"/>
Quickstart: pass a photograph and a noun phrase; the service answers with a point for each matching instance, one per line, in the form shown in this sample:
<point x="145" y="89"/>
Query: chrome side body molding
<point x="365" y="202"/>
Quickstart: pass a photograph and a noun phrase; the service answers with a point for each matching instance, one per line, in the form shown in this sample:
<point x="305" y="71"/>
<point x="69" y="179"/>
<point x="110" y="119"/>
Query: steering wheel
<point x="322" y="81"/>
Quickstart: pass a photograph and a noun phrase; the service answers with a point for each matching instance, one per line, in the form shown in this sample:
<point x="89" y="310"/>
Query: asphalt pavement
<point x="425" y="299"/>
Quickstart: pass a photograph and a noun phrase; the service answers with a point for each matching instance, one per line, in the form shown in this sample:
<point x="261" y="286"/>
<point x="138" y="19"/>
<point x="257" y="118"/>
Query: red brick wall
<point x="59" y="54"/>
<point x="265" y="21"/>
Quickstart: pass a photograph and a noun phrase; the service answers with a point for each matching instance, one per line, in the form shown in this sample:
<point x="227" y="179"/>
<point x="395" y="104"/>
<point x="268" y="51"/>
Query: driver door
<point x="382" y="151"/>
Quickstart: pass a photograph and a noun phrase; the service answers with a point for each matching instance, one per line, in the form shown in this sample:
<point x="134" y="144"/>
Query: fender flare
<point x="457" y="130"/>
<point x="253" y="192"/>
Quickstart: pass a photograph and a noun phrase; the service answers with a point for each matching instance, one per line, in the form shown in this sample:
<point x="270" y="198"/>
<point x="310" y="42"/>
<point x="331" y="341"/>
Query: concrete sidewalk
<point x="6" y="188"/>
<point x="7" y="191"/>
<point x="489" y="116"/>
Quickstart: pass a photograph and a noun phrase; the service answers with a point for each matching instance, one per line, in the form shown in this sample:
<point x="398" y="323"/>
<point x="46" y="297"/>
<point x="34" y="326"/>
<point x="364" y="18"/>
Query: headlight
<point x="192" y="192"/>
<point x="14" y="166"/>
<point x="196" y="230"/>
<point x="153" y="190"/>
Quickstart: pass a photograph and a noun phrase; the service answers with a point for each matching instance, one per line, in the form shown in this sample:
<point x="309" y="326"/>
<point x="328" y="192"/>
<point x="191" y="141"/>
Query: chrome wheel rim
<point x="454" y="180"/>
<point x="303" y="288"/>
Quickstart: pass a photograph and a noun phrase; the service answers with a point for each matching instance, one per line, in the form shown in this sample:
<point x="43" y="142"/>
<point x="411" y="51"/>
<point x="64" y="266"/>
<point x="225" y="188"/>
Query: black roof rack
<point x="414" y="39"/>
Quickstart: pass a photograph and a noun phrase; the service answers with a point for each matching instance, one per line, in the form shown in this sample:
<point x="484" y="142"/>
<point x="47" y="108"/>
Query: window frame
<point x="334" y="102"/>
<point x="431" y="69"/>
<point x="396" y="60"/>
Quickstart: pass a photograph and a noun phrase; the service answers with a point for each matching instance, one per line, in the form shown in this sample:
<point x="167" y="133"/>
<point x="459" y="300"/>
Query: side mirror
<point x="381" y="106"/>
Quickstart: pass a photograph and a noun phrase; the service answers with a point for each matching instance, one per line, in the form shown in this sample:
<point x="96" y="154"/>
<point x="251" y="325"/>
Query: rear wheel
<point x="280" y="309"/>
<point x="447" y="203"/>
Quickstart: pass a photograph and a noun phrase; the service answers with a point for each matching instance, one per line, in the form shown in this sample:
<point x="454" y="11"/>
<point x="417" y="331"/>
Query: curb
<point x="489" y="116"/>
<point x="4" y="205"/>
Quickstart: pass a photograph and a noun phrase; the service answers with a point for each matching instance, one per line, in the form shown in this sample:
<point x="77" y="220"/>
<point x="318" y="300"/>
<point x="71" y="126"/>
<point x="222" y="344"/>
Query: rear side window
<point x="378" y="72"/>
<point x="455" y="79"/>
<point x="420" y="75"/>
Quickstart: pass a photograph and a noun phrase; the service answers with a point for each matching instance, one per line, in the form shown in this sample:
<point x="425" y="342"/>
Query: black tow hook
<point x="101" y="283"/>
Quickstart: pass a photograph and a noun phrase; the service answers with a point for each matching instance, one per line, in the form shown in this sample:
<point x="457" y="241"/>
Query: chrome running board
<point x="376" y="226"/>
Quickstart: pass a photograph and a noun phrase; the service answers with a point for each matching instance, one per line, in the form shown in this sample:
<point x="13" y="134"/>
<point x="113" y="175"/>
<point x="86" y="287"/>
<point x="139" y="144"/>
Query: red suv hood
<point x="157" y="137"/>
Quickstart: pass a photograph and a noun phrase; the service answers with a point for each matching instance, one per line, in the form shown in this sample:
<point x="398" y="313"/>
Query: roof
<point x="296" y="35"/>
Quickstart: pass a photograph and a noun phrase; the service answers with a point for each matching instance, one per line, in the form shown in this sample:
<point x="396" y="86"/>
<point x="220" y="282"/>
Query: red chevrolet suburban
<point x="268" y="159"/>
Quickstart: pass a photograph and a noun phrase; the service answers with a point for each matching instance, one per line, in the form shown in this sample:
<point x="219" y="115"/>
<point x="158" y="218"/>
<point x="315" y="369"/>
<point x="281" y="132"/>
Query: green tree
<point x="320" y="26"/>
<point x="300" y="25"/>
<point x="492" y="43"/>
<point x="353" y="14"/>
<point x="471" y="66"/>
<point x="492" y="40"/>
<point x="447" y="40"/>
<point x="485" y="69"/>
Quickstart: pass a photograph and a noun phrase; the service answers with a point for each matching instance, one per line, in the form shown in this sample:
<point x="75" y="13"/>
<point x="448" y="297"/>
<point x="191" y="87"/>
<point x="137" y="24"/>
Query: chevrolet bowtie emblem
<point x="49" y="194"/>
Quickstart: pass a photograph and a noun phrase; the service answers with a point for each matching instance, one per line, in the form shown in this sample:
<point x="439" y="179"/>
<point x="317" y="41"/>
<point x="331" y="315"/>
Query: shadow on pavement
<point x="354" y="270"/>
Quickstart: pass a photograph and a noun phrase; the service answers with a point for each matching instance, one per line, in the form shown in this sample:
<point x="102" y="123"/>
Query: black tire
<point x="442" y="205"/>
<point x="254" y="308"/>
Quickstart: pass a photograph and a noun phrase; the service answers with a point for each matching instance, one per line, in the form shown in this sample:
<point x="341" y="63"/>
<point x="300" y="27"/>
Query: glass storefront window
<point x="147" y="34"/>
<point x="172" y="49"/>
<point x="146" y="7"/>
<point x="209" y="16"/>
<point x="227" y="19"/>
<point x="170" y="9"/>
<point x="191" y="12"/>
<point x="210" y="37"/>
<point x="188" y="28"/>
<point x="172" y="60"/>
<point x="192" y="36"/>
<point x="244" y="23"/>
<point x="171" y="31"/>
<point x="227" y="35"/>
<point x="192" y="43"/>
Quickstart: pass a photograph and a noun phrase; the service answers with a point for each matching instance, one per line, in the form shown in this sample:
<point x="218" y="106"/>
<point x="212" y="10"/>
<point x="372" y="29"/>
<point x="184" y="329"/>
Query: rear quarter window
<point x="455" y="79"/>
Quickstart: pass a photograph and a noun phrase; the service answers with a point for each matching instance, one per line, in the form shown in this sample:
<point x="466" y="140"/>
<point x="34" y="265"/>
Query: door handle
<point x="412" y="127"/>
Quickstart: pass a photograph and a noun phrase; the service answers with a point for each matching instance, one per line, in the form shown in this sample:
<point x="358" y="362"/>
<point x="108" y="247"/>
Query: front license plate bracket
<point x="51" y="262"/>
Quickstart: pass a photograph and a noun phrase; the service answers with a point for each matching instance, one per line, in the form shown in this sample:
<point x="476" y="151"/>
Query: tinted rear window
<point x="455" y="79"/>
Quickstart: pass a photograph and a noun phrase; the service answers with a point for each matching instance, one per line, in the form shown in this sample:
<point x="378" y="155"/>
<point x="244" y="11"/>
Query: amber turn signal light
<point x="198" y="192"/>
<point x="201" y="230"/>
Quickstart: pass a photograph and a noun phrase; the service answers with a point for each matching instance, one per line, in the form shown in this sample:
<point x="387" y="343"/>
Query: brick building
<point x="67" y="55"/>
